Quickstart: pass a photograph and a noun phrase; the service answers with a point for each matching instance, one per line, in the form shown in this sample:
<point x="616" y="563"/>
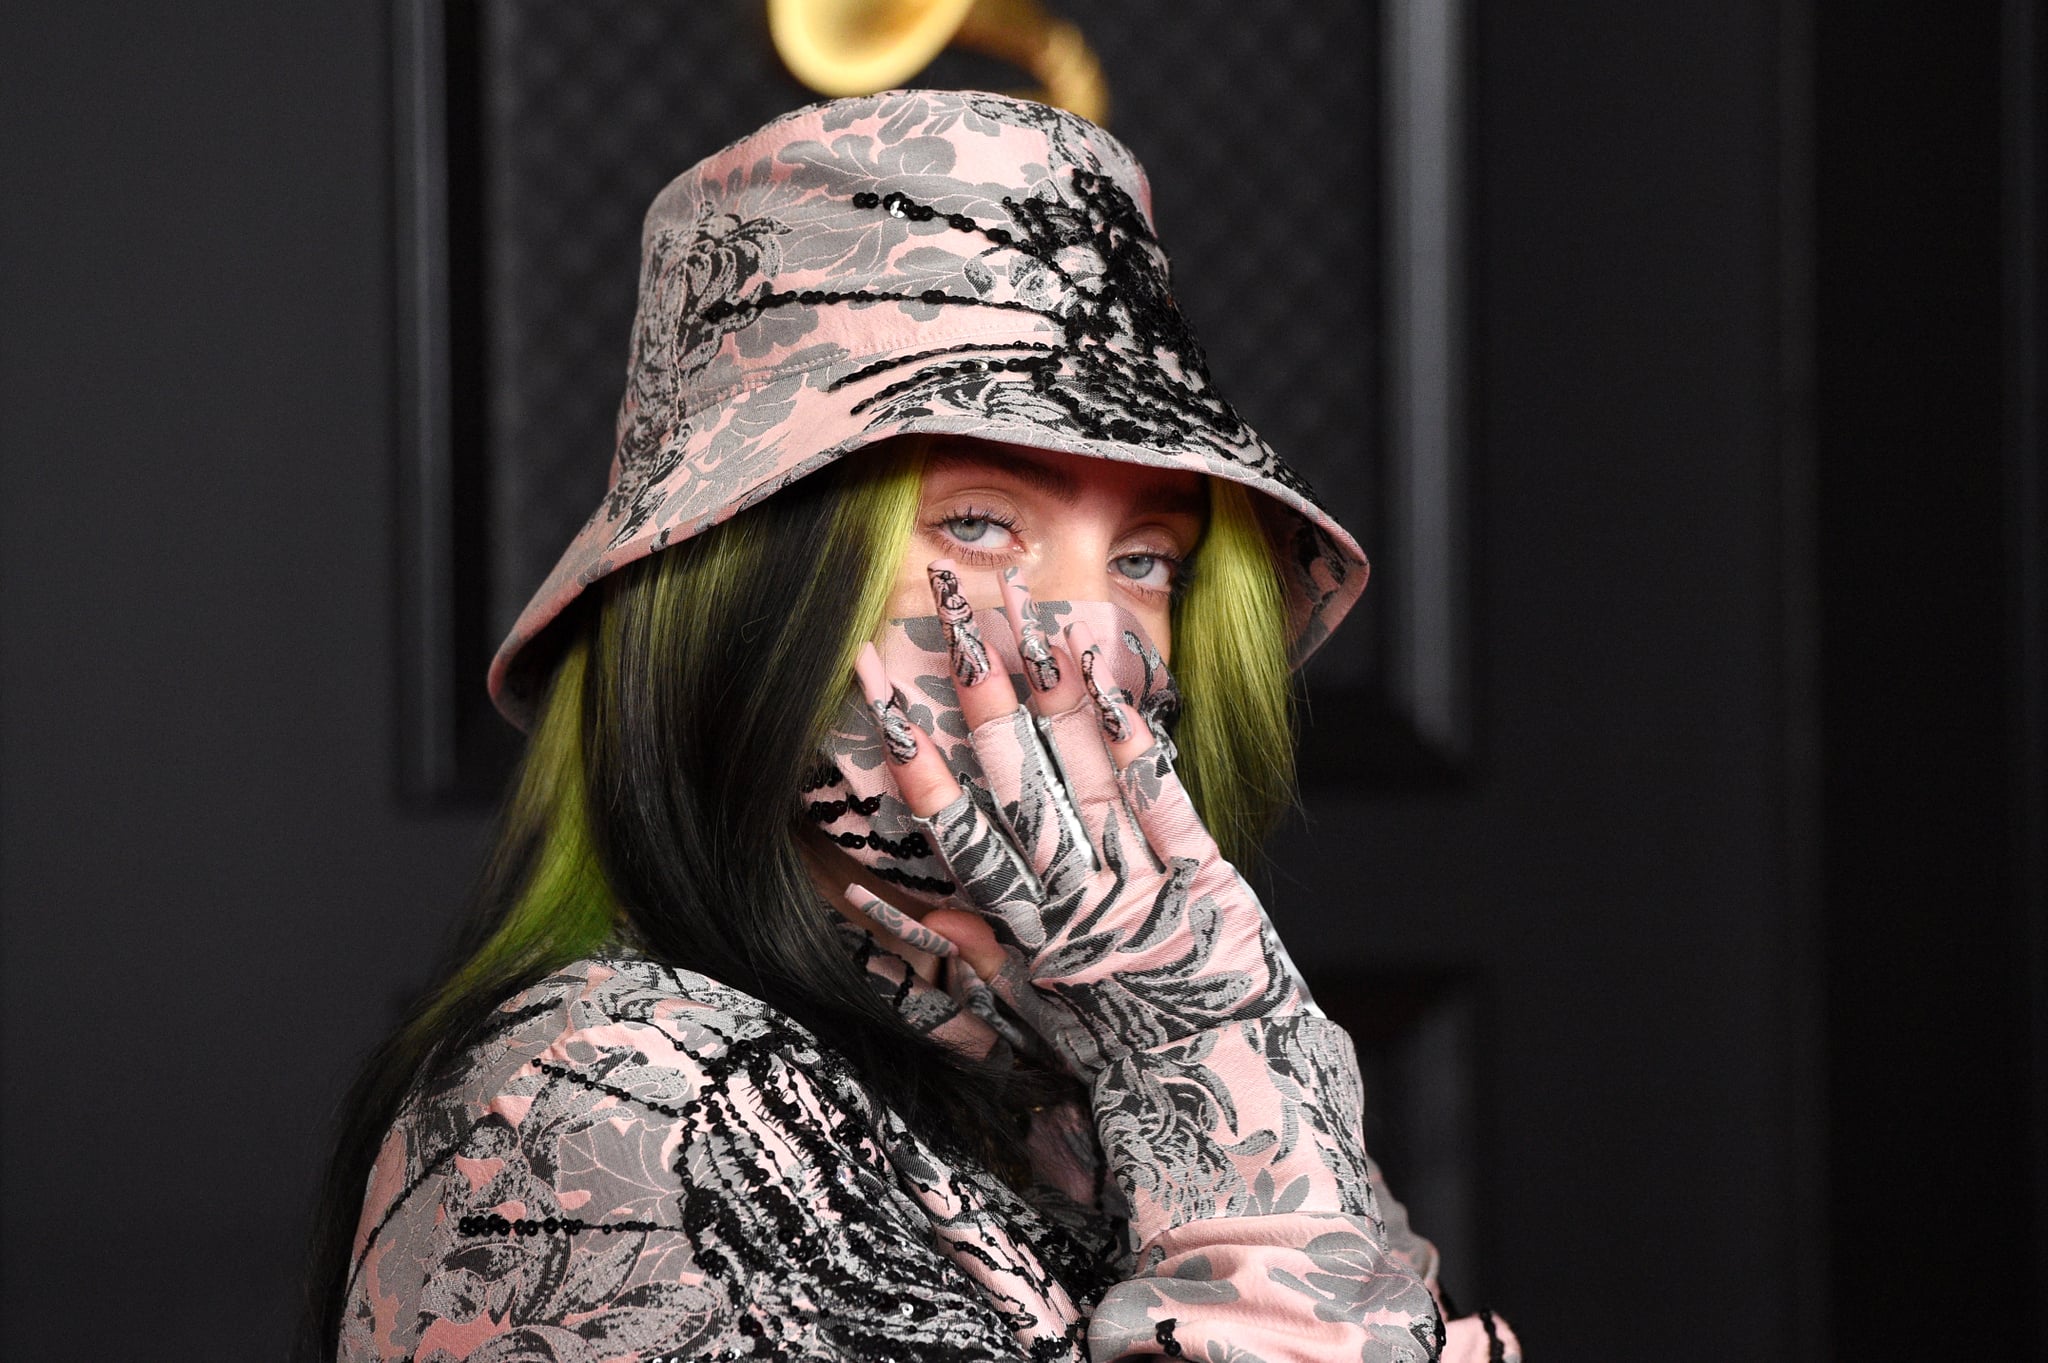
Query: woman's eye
<point x="979" y="531"/>
<point x="1146" y="570"/>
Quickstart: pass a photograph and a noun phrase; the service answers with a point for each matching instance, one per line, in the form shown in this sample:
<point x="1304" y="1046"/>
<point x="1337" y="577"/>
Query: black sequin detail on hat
<point x="902" y="361"/>
<point x="1128" y="368"/>
<point x="727" y="309"/>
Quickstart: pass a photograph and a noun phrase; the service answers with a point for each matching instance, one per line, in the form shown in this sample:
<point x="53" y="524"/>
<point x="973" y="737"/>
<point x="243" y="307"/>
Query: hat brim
<point x="751" y="444"/>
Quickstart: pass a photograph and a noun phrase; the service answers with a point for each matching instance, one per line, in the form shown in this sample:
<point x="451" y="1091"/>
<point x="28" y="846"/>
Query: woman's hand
<point x="1107" y="917"/>
<point x="1228" y="1108"/>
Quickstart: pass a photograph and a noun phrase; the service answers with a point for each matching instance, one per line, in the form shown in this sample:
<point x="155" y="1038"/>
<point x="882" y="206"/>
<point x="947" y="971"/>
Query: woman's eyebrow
<point x="1175" y="498"/>
<point x="1178" y="499"/>
<point x="1055" y="483"/>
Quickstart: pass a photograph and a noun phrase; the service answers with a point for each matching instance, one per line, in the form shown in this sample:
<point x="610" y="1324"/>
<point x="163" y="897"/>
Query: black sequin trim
<point x="909" y="847"/>
<point x="965" y="347"/>
<point x="929" y="884"/>
<point x="768" y="1091"/>
<point x="494" y="1224"/>
<point x="826" y="811"/>
<point x="611" y="1090"/>
<point x="1107" y="375"/>
<point x="727" y="308"/>
<point x="897" y="204"/>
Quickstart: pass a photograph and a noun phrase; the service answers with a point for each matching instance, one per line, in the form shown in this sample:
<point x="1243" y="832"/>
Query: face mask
<point x="852" y="797"/>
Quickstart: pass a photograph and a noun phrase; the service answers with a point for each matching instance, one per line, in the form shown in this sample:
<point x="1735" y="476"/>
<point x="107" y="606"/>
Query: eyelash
<point x="1178" y="569"/>
<point x="966" y="551"/>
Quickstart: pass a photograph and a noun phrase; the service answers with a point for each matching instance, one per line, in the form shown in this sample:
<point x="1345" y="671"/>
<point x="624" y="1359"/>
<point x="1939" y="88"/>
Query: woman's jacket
<point x="637" y="1162"/>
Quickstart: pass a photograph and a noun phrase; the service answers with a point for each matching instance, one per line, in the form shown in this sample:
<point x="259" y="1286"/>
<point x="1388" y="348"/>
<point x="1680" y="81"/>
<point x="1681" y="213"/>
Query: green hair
<point x="1236" y="731"/>
<point x="565" y="909"/>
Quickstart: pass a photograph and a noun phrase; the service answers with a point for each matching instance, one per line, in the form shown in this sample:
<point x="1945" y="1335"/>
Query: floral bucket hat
<point x="946" y="262"/>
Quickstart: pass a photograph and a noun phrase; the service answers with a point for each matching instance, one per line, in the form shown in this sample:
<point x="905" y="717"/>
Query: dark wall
<point x="213" y="898"/>
<point x="1929" y="535"/>
<point x="1616" y="868"/>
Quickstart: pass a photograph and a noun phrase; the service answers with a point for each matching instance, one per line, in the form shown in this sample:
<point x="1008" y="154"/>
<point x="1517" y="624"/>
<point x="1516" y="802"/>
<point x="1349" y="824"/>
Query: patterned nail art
<point x="963" y="636"/>
<point x="896" y="735"/>
<point x="887" y="704"/>
<point x="899" y="924"/>
<point x="1040" y="668"/>
<point x="1116" y="726"/>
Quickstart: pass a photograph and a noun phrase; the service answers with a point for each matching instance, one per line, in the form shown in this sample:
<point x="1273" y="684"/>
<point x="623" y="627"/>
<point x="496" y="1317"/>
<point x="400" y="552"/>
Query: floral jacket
<point x="639" y="1163"/>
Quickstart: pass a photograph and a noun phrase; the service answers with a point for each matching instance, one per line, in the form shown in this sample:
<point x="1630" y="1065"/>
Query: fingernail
<point x="899" y="924"/>
<point x="1116" y="725"/>
<point x="1040" y="668"/>
<point x="897" y="734"/>
<point x="963" y="637"/>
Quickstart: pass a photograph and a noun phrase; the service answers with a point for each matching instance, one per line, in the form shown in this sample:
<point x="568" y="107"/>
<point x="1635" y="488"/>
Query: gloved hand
<point x="1101" y="911"/>
<point x="1124" y="927"/>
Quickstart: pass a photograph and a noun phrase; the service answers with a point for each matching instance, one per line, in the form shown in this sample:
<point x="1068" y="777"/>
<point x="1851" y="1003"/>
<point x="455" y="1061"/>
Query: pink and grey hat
<point x="950" y="262"/>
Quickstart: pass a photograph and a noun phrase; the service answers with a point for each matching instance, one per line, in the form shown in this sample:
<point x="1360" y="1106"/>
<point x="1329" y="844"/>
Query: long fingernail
<point x="899" y="924"/>
<point x="1040" y="668"/>
<point x="897" y="734"/>
<point x="963" y="636"/>
<point x="1116" y="725"/>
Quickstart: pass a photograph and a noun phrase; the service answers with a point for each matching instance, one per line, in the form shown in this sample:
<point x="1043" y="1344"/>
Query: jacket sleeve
<point x="1252" y="1215"/>
<point x="672" y="1190"/>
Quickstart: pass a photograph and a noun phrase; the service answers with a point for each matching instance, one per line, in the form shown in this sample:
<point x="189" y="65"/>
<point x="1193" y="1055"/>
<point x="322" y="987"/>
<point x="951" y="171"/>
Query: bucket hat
<point x="944" y="262"/>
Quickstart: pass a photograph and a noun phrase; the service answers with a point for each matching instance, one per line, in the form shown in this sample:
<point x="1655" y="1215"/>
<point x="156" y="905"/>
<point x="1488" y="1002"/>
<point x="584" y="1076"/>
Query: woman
<point x="919" y="1017"/>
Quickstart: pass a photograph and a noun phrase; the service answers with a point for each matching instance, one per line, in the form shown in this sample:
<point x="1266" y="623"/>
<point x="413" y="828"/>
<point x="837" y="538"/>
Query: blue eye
<point x="1154" y="572"/>
<point x="988" y="533"/>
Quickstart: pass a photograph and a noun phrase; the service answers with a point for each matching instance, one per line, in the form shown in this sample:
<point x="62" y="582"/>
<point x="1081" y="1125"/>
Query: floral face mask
<point x="852" y="797"/>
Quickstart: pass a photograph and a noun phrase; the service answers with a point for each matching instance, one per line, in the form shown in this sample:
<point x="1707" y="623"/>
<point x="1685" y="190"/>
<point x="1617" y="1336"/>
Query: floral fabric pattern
<point x="853" y="800"/>
<point x="920" y="261"/>
<point x="644" y="1164"/>
<point x="637" y="1163"/>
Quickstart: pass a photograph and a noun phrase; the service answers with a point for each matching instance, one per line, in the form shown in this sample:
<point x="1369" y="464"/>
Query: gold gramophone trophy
<point x="856" y="47"/>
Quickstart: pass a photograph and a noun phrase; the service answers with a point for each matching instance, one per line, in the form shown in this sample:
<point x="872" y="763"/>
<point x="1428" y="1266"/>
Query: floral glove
<point x="1102" y="912"/>
<point x="1126" y="929"/>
